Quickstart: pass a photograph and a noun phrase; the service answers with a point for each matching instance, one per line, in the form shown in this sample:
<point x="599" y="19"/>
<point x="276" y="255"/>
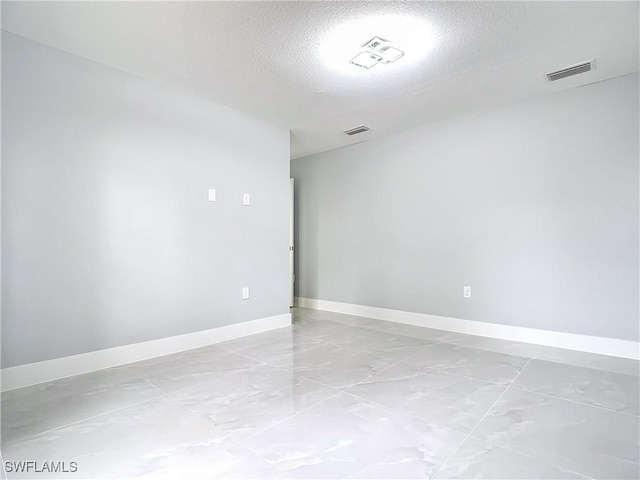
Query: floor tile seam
<point x="381" y="371"/>
<point x="333" y="343"/>
<point x="469" y="377"/>
<point x="245" y="356"/>
<point x="507" y="387"/>
<point x="283" y="420"/>
<point x="281" y="369"/>
<point x="230" y="350"/>
<point x="350" y="348"/>
<point x="446" y="460"/>
<point x="407" y="359"/>
<point x="414" y="417"/>
<point x="310" y="338"/>
<point x="200" y="383"/>
<point x="423" y="342"/>
<point x="334" y="322"/>
<point x="395" y="364"/>
<point x="226" y="349"/>
<point x="515" y="343"/>
<point x="378" y="353"/>
<point x="351" y="326"/>
<point x="427" y="370"/>
<point x="147" y="377"/>
<point x="346" y="324"/>
<point x="534" y="345"/>
<point x="479" y="421"/>
<point x="536" y="356"/>
<point x="368" y="328"/>
<point x="439" y="370"/>
<point x="327" y="342"/>
<point x="296" y="374"/>
<point x="224" y="435"/>
<point x="335" y="390"/>
<point x="135" y="371"/>
<point x="590" y="367"/>
<point x="557" y="397"/>
<point x="501" y="395"/>
<point x="513" y="385"/>
<point x="252" y="450"/>
<point x="468" y="347"/>
<point x="92" y="417"/>
<point x="323" y="343"/>
<point x="528" y="455"/>
<point x="376" y="373"/>
<point x="453" y="342"/>
<point x="131" y="371"/>
<point x="154" y="385"/>
<point x="396" y="324"/>
<point x="150" y="381"/>
<point x="262" y="362"/>
<point x="539" y="348"/>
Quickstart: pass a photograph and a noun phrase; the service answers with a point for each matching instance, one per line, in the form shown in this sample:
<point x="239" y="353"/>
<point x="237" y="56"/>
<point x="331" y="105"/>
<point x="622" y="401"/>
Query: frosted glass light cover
<point x="389" y="54"/>
<point x="365" y="60"/>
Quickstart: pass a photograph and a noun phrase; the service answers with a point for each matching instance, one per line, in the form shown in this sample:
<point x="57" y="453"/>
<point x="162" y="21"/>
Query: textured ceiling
<point x="279" y="61"/>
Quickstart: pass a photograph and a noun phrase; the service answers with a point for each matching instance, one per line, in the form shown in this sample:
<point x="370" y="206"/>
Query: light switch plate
<point x="245" y="293"/>
<point x="212" y="194"/>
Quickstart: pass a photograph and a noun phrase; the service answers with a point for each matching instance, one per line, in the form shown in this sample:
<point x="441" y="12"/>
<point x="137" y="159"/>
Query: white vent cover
<point x="572" y="70"/>
<point x="356" y="130"/>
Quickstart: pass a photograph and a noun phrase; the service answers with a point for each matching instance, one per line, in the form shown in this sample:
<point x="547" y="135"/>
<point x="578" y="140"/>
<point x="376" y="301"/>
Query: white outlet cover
<point x="246" y="199"/>
<point x="466" y="292"/>
<point x="245" y="293"/>
<point x="212" y="194"/>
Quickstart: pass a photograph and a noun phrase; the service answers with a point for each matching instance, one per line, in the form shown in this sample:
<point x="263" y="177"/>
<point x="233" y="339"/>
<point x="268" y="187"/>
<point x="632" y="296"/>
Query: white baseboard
<point x="39" y="372"/>
<point x="571" y="341"/>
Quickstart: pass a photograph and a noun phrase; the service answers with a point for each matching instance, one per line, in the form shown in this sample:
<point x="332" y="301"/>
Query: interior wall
<point x="534" y="205"/>
<point x="108" y="236"/>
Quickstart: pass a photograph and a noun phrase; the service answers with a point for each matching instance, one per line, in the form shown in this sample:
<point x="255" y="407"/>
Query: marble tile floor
<point x="337" y="396"/>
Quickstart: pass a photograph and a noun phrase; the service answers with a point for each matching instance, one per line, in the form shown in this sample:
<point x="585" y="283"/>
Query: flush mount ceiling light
<point x="341" y="46"/>
<point x="377" y="50"/>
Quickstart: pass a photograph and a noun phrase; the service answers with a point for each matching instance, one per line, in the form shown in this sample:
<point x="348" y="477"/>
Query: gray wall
<point x="534" y="205"/>
<point x="108" y="237"/>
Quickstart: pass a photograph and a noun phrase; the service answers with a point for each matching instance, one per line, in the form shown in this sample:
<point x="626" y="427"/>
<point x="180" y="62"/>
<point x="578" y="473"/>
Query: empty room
<point x="320" y="240"/>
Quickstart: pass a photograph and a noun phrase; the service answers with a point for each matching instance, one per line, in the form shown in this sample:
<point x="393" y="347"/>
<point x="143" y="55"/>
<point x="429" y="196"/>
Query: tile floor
<point x="338" y="396"/>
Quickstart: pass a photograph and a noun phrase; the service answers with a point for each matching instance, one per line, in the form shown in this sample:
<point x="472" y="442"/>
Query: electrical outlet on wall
<point x="466" y="292"/>
<point x="245" y="293"/>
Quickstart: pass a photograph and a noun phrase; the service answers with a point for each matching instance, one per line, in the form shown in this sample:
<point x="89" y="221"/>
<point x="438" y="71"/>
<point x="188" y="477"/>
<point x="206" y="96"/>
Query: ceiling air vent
<point x="357" y="130"/>
<point x="572" y="70"/>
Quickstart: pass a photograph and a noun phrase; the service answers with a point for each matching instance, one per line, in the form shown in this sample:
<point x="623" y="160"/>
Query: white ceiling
<point x="270" y="58"/>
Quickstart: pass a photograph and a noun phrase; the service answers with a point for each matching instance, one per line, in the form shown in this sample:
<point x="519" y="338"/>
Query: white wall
<point x="534" y="205"/>
<point x="108" y="237"/>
